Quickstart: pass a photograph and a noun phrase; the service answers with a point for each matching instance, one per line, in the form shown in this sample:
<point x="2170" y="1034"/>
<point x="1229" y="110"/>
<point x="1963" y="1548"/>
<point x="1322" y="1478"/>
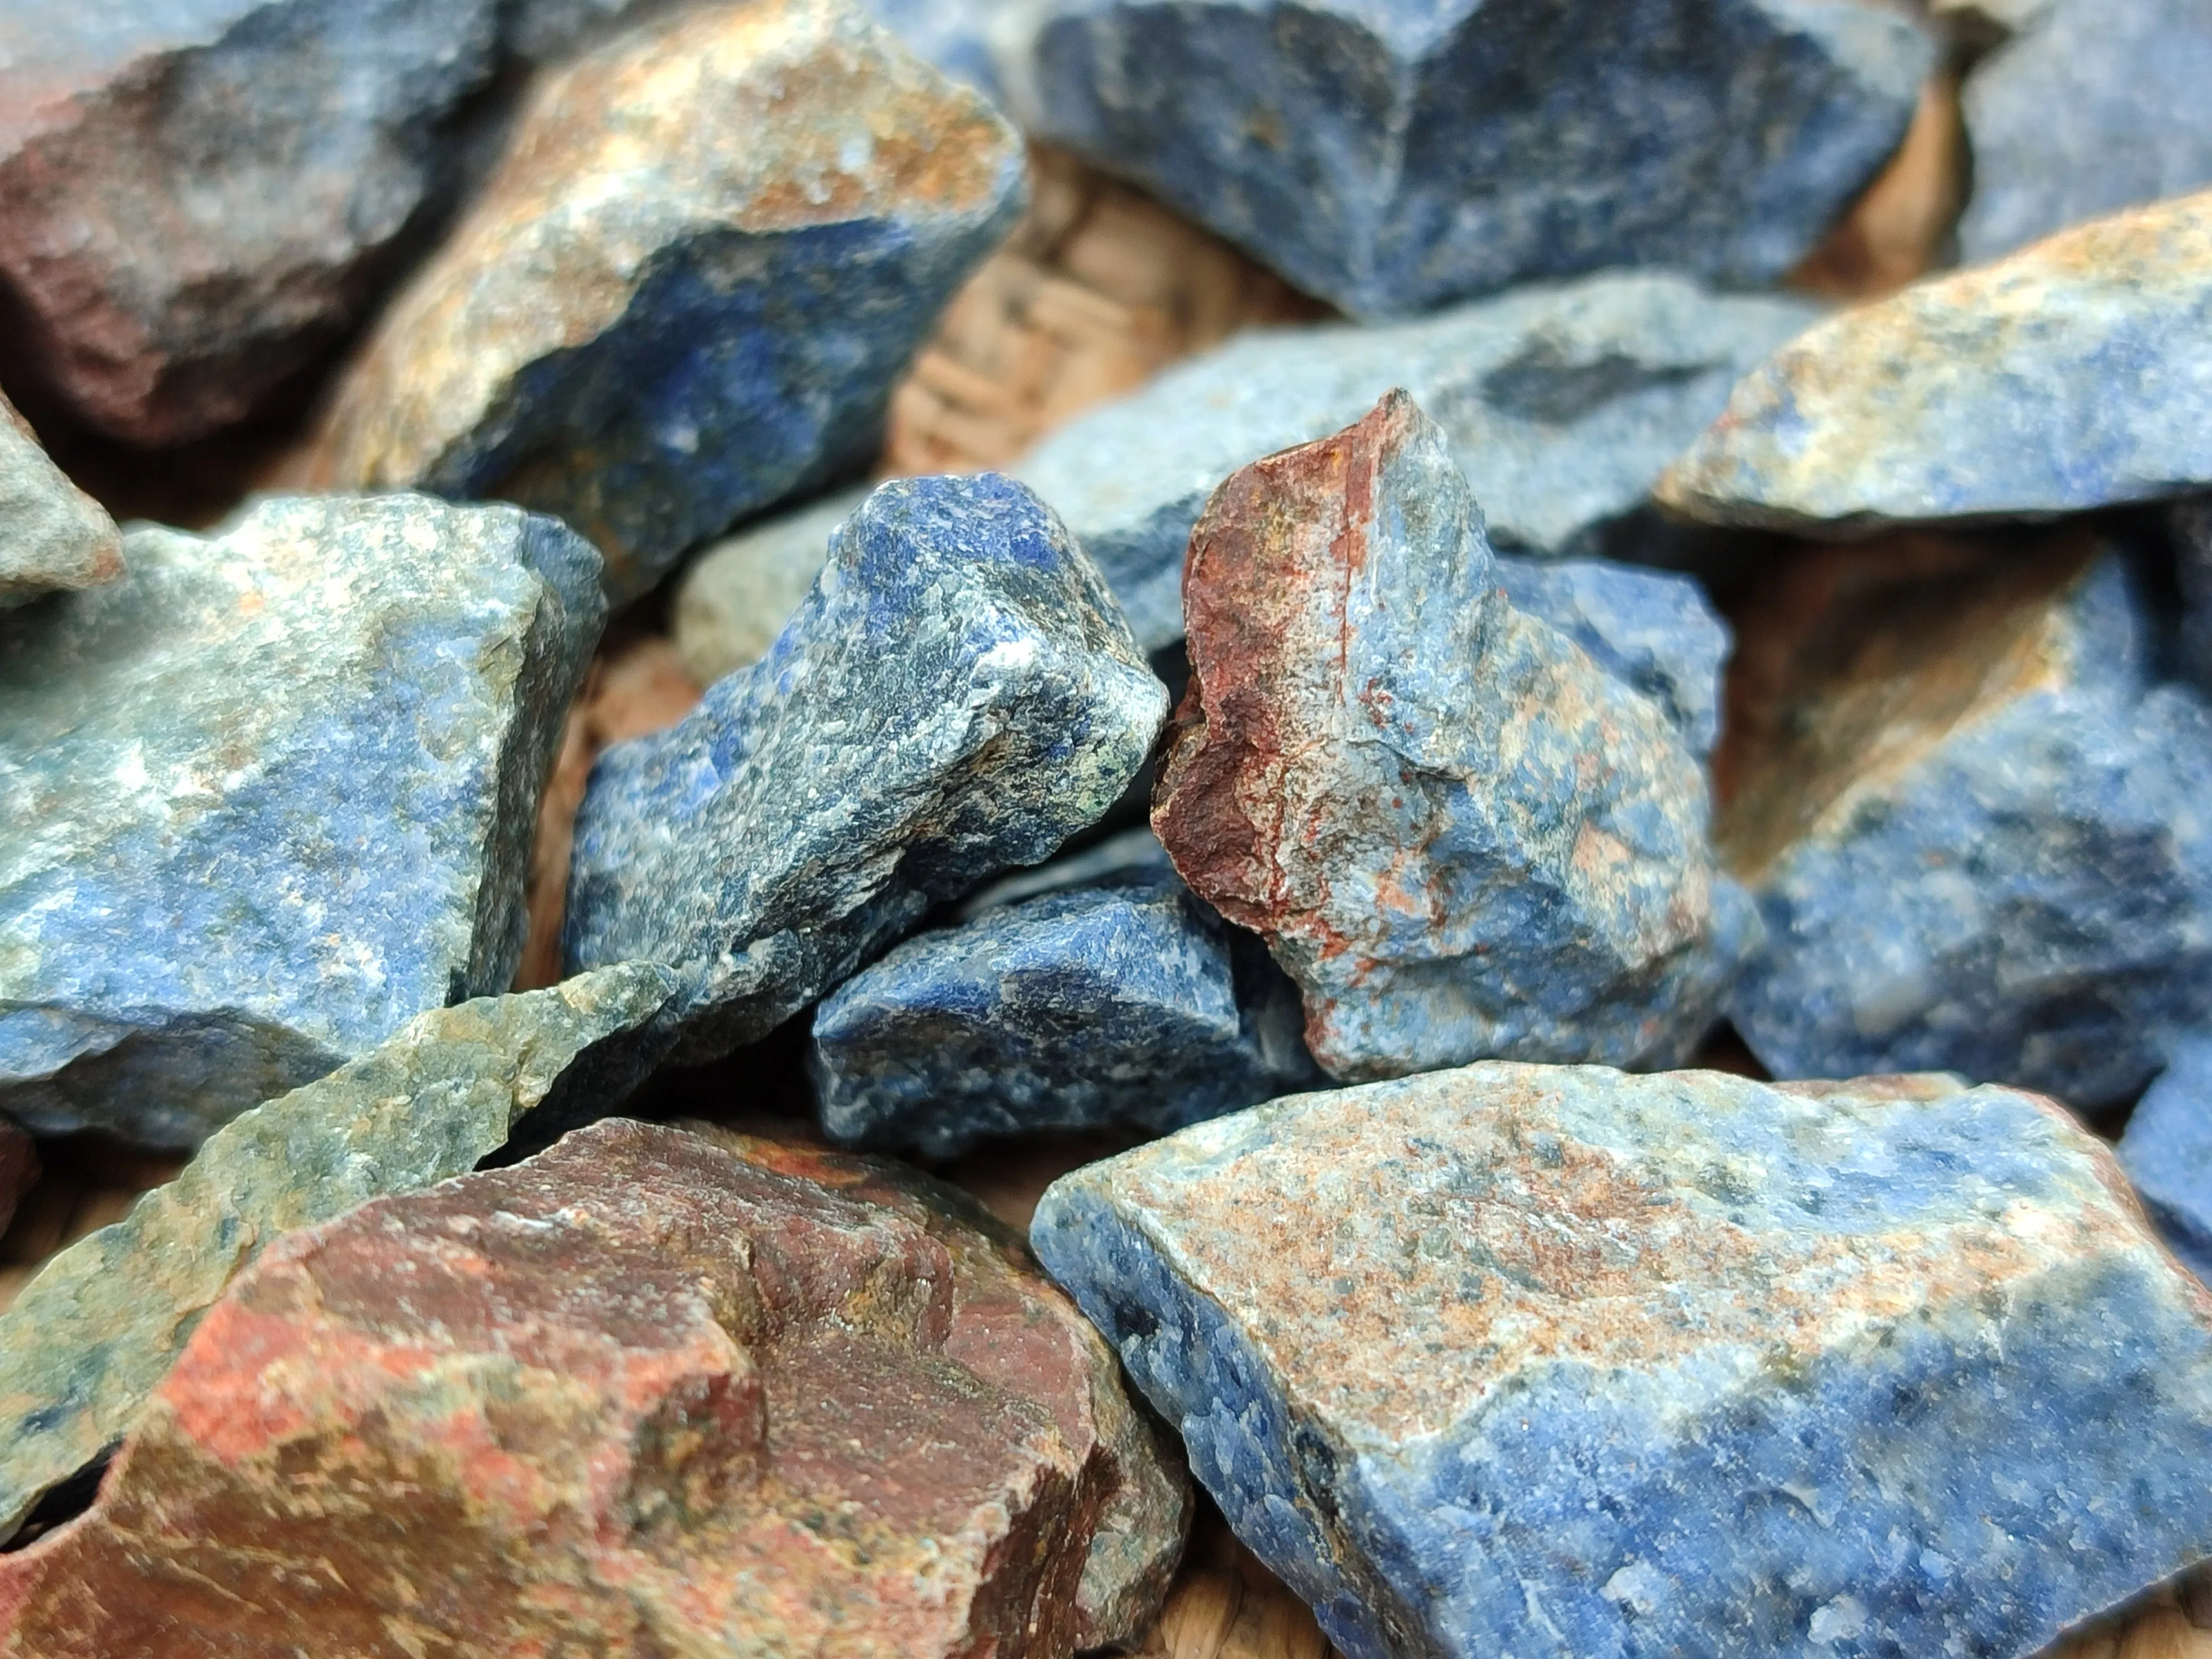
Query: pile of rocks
<point x="1543" y="866"/>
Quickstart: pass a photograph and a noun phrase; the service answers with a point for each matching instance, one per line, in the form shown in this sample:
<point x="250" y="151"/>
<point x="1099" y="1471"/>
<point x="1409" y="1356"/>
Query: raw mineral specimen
<point x="1977" y="833"/>
<point x="709" y="251"/>
<point x="1461" y="836"/>
<point x="197" y="197"/>
<point x="1126" y="1002"/>
<point x="2167" y="1153"/>
<point x="2092" y="108"/>
<point x="647" y="1394"/>
<point x="1562" y="404"/>
<point x="270" y="796"/>
<point x="1389" y="158"/>
<point x="89" y="1338"/>
<point x="1984" y="392"/>
<point x="1562" y="1363"/>
<point x="1654" y="629"/>
<point x="736" y="597"/>
<point x="53" y="537"/>
<point x="957" y="695"/>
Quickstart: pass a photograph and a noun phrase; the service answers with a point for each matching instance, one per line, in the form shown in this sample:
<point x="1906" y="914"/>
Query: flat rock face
<point x="622" y="1381"/>
<point x="1461" y="837"/>
<point x="1561" y="404"/>
<point x="1125" y="1002"/>
<point x="2092" y="108"/>
<point x="1389" y="158"/>
<point x="89" y="1338"/>
<point x="270" y="796"/>
<point x="53" y="537"/>
<point x="1976" y="832"/>
<point x="1984" y="392"/>
<point x="709" y="251"/>
<point x="957" y="695"/>
<point x="1653" y="630"/>
<point x="197" y="197"/>
<point x="735" y="597"/>
<point x="2167" y="1153"/>
<point x="1558" y="1361"/>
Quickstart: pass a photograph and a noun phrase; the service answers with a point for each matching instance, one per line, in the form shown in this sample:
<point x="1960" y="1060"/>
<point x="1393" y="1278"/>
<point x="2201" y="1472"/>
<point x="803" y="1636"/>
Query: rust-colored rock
<point x="647" y="1394"/>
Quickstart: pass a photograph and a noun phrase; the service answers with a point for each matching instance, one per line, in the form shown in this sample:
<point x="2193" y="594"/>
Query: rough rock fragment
<point x="1125" y="1002"/>
<point x="686" y="293"/>
<point x="270" y="796"/>
<point x="957" y="695"/>
<point x="91" y="1336"/>
<point x="197" y="198"/>
<point x="1562" y="404"/>
<point x="1389" y="159"/>
<point x="53" y="537"/>
<point x="649" y="1394"/>
<point x="736" y="597"/>
<point x="2092" y="108"/>
<point x="1976" y="832"/>
<point x="1558" y="1361"/>
<point x="1988" y="392"/>
<point x="1650" y="628"/>
<point x="2167" y="1153"/>
<point x="1461" y="836"/>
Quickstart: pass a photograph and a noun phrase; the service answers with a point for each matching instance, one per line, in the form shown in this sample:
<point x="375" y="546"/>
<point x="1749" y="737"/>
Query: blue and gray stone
<point x="92" y="1335"/>
<point x="1390" y="158"/>
<point x="53" y="537"/>
<point x="269" y="796"/>
<point x="2166" y="1151"/>
<point x="1561" y="404"/>
<point x="1458" y="834"/>
<point x="2090" y="108"/>
<point x="199" y="198"/>
<point x="1650" y="628"/>
<point x="1124" y="853"/>
<point x="1567" y="1364"/>
<point x="957" y="695"/>
<point x="1973" y="824"/>
<point x="2074" y="374"/>
<point x="1129" y="1002"/>
<point x="687" y="290"/>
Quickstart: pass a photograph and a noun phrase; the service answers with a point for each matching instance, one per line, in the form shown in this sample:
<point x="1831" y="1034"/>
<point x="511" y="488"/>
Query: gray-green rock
<point x="53" y="535"/>
<point x="270" y="797"/>
<point x="736" y="596"/>
<point x="93" y="1335"/>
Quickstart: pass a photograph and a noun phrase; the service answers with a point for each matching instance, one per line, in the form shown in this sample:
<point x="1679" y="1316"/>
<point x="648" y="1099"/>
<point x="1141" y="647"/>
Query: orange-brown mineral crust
<point x="649" y="1393"/>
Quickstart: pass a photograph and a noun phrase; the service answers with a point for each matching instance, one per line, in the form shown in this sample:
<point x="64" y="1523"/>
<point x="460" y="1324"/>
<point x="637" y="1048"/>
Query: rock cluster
<point x="1295" y="643"/>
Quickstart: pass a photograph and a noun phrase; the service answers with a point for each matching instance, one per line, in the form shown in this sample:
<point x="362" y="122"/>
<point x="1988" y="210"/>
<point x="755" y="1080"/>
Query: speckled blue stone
<point x="1564" y="1364"/>
<point x="2167" y="1151"/>
<point x="1128" y="1002"/>
<point x="1651" y="628"/>
<point x="957" y="695"/>
<point x="1390" y="155"/>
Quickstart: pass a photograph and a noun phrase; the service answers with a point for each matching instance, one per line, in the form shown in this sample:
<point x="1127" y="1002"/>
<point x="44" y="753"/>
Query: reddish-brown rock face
<point x="649" y="1394"/>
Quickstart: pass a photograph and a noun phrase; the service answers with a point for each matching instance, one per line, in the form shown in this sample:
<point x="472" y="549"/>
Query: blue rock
<point x="1655" y="630"/>
<point x="2075" y="373"/>
<point x="1562" y="404"/>
<point x="1126" y="852"/>
<point x="1126" y="1002"/>
<point x="1976" y="831"/>
<point x="53" y="537"/>
<point x="1460" y="835"/>
<point x="270" y="796"/>
<point x="2189" y="523"/>
<point x="1392" y="157"/>
<point x="1565" y="1364"/>
<point x="2091" y="108"/>
<point x="2167" y="1153"/>
<point x="957" y="695"/>
<point x="689" y="288"/>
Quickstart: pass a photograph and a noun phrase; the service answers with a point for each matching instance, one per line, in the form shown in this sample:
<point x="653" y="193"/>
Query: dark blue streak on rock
<point x="957" y="695"/>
